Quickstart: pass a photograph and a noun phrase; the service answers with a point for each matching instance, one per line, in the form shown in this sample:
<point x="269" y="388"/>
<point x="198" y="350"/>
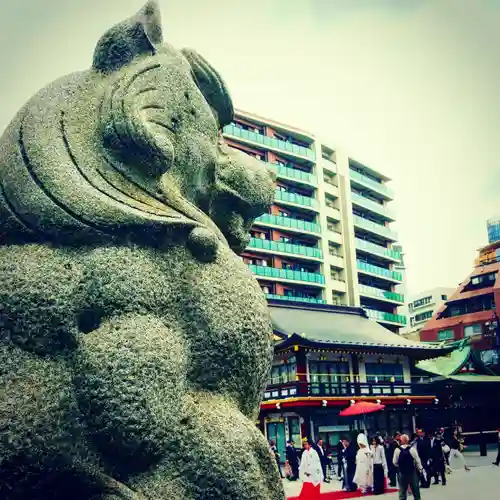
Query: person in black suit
<point x="293" y="459"/>
<point x="389" y="453"/>
<point x="318" y="447"/>
<point x="348" y="465"/>
<point x="340" y="448"/>
<point x="423" y="446"/>
<point x="497" y="461"/>
<point x="438" y="459"/>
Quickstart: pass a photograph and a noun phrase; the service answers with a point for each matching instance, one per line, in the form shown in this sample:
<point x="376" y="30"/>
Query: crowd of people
<point x="372" y="466"/>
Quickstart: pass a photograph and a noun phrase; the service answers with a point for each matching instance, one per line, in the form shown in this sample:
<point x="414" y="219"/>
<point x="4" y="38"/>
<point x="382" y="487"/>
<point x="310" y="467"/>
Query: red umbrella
<point x="361" y="408"/>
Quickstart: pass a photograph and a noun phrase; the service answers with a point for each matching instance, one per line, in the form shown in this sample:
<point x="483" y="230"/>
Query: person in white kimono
<point x="311" y="473"/>
<point x="364" y="465"/>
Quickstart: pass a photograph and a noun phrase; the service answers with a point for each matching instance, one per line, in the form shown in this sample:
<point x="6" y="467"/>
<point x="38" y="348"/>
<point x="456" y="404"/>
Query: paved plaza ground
<point x="481" y="483"/>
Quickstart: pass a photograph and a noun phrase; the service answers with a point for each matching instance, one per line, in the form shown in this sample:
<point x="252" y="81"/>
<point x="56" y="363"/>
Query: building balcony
<point x="337" y="285"/>
<point x="346" y="389"/>
<point x="285" y="248"/>
<point x="375" y="228"/>
<point x="332" y="211"/>
<point x="295" y="199"/>
<point x="366" y="182"/>
<point x="336" y="260"/>
<point x="291" y="298"/>
<point x="372" y="206"/>
<point x="385" y="317"/>
<point x="379" y="251"/>
<point x="371" y="291"/>
<point x="379" y="272"/>
<point x="331" y="189"/>
<point x="334" y="236"/>
<point x="269" y="142"/>
<point x="292" y="174"/>
<point x="328" y="165"/>
<point x="275" y="274"/>
<point x="289" y="223"/>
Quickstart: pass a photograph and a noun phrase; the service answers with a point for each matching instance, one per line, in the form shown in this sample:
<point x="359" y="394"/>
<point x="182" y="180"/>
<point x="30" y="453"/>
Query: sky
<point x="408" y="87"/>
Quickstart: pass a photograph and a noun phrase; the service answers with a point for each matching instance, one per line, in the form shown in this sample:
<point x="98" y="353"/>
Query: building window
<point x="423" y="316"/>
<point x="328" y="372"/>
<point x="445" y="335"/>
<point x="284" y="373"/>
<point x="489" y="357"/>
<point x="384" y="372"/>
<point x="481" y="281"/>
<point x="421" y="302"/>
<point x="471" y="330"/>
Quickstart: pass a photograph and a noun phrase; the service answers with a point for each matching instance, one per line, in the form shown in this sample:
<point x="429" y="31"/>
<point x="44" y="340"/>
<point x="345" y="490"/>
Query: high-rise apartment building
<point x="327" y="238"/>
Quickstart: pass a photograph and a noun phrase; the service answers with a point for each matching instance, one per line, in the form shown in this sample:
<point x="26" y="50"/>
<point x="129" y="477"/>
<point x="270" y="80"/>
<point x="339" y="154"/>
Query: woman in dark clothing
<point x="379" y="466"/>
<point x="273" y="449"/>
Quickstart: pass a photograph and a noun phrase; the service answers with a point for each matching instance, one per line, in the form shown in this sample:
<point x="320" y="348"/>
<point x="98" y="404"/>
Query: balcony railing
<point x="289" y="222"/>
<point x="288" y="298"/>
<point x="372" y="291"/>
<point x="271" y="142"/>
<point x="370" y="183"/>
<point x="347" y="389"/>
<point x="292" y="173"/>
<point x="287" y="274"/>
<point x="289" y="248"/>
<point x="377" y="249"/>
<point x="370" y="205"/>
<point x="297" y="199"/>
<point x="374" y="227"/>
<point x="329" y="165"/>
<point x="379" y="271"/>
<point x="385" y="316"/>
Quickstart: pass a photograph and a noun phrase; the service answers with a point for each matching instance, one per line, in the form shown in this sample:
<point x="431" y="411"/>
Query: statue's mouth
<point x="234" y="217"/>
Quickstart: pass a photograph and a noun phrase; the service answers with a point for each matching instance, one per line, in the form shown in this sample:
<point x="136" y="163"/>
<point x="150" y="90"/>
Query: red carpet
<point x="340" y="495"/>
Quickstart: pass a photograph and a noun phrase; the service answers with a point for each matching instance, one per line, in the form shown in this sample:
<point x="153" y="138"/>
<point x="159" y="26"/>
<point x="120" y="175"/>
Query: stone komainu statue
<point x="135" y="344"/>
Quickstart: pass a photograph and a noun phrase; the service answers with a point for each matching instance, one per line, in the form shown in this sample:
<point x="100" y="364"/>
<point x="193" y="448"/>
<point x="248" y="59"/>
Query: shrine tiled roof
<point x="342" y="327"/>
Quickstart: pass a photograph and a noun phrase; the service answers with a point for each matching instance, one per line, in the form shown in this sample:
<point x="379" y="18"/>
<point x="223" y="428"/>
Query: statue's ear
<point x="140" y="34"/>
<point x="212" y="86"/>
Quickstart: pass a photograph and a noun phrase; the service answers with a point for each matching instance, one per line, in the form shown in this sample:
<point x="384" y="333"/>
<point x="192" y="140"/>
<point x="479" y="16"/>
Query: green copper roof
<point x="449" y="364"/>
<point x="472" y="377"/>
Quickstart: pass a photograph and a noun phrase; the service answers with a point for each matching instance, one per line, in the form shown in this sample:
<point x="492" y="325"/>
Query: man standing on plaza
<point x="438" y="459"/>
<point x="318" y="447"/>
<point x="390" y="449"/>
<point x="497" y="461"/>
<point x="409" y="467"/>
<point x="293" y="460"/>
<point x="423" y="447"/>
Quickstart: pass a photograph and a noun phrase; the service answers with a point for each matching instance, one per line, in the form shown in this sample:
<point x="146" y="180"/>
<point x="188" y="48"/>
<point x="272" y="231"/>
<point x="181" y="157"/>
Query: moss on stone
<point x="135" y="344"/>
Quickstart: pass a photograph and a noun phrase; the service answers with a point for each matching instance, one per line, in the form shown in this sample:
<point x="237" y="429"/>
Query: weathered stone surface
<point x="135" y="344"/>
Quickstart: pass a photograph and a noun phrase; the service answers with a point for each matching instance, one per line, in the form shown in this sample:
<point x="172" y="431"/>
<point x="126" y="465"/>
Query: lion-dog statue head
<point x="134" y="342"/>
